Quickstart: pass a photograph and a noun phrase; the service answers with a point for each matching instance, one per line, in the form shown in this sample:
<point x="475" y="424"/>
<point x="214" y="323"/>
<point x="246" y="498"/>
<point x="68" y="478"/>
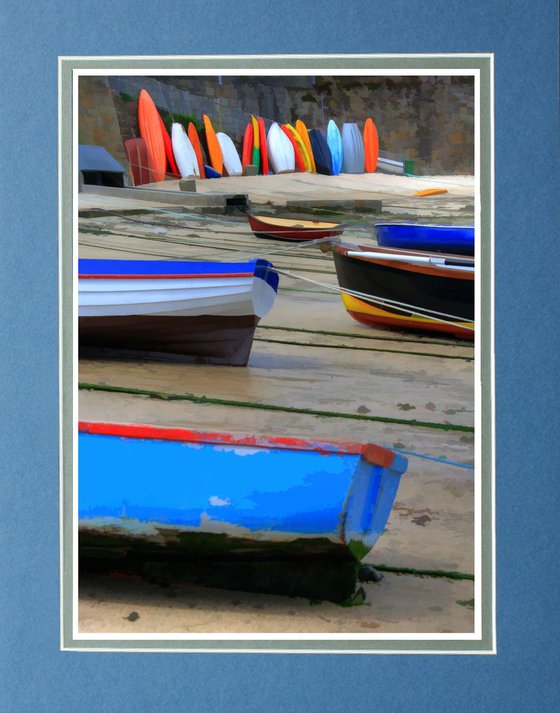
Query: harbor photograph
<point x="277" y="336"/>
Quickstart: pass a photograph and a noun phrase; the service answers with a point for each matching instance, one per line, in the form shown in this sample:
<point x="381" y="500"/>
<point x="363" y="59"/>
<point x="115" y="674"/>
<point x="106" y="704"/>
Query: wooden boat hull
<point x="202" y="312"/>
<point x="223" y="497"/>
<point x="454" y="239"/>
<point x="293" y="230"/>
<point x="425" y="287"/>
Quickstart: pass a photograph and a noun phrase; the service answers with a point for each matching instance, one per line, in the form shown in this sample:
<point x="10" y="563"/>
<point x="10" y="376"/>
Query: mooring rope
<point x="384" y="302"/>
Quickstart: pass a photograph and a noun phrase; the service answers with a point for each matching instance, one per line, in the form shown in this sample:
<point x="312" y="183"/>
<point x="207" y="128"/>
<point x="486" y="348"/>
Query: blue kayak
<point x="334" y="141"/>
<point x="454" y="239"/>
<point x="321" y="152"/>
<point x="211" y="172"/>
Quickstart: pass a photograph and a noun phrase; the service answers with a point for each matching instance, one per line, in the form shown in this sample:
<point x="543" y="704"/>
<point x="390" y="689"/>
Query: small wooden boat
<point x="408" y="289"/>
<point x="293" y="229"/>
<point x="454" y="239"/>
<point x="195" y="311"/>
<point x="217" y="497"/>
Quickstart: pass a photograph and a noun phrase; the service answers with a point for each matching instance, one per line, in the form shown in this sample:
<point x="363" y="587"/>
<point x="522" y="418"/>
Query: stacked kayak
<point x="232" y="162"/>
<point x="283" y="149"/>
<point x="281" y="152"/>
<point x="184" y="152"/>
<point x="353" y="158"/>
<point x="334" y="141"/>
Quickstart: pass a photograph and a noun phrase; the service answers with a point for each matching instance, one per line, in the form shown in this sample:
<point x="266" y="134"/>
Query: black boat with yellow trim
<point x="407" y="289"/>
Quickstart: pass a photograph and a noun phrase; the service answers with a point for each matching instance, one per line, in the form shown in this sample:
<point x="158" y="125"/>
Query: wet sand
<point x="308" y="353"/>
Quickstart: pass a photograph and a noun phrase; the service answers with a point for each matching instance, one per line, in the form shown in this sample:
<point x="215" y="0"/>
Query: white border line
<point x="211" y="71"/>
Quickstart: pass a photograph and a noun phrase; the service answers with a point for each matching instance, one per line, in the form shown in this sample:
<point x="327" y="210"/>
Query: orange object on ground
<point x="431" y="192"/>
<point x="216" y="158"/>
<point x="247" y="154"/>
<point x="301" y="128"/>
<point x="263" y="147"/>
<point x="195" y="141"/>
<point x="300" y="164"/>
<point x="149" y="122"/>
<point x="169" y="150"/>
<point x="371" y="146"/>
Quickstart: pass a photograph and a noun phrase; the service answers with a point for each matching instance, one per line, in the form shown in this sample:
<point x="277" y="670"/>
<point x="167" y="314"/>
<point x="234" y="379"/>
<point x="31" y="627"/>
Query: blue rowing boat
<point x="453" y="239"/>
<point x="220" y="496"/>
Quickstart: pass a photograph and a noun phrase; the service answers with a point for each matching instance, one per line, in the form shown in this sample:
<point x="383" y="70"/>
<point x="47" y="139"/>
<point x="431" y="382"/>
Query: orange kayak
<point x="216" y="158"/>
<point x="371" y="146"/>
<point x="149" y="122"/>
<point x="195" y="141"/>
<point x="301" y="128"/>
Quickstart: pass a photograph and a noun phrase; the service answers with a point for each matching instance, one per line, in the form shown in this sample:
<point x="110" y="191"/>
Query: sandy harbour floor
<point x="308" y="352"/>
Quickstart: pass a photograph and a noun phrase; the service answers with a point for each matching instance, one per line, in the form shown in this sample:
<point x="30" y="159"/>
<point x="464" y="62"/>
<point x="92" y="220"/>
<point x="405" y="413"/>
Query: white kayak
<point x="280" y="150"/>
<point x="353" y="156"/>
<point x="183" y="151"/>
<point x="232" y="162"/>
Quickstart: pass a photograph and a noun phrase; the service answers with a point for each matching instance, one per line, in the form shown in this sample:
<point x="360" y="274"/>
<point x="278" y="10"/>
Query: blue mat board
<point x="34" y="674"/>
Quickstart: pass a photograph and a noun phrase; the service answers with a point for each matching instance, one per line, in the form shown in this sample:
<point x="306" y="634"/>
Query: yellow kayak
<point x="301" y="128"/>
<point x="304" y="152"/>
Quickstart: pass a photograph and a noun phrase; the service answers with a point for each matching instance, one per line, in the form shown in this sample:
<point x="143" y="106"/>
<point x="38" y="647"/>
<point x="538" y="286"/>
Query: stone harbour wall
<point x="426" y="119"/>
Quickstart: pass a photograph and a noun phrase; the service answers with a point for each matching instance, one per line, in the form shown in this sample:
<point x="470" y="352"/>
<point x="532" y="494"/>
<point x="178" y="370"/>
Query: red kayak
<point x="138" y="160"/>
<point x="248" y="140"/>
<point x="169" y="151"/>
<point x="263" y="147"/>
<point x="300" y="164"/>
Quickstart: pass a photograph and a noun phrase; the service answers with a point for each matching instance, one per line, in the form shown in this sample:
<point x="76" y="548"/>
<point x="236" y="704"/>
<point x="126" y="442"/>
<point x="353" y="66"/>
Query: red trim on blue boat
<point x="165" y="277"/>
<point x="376" y="455"/>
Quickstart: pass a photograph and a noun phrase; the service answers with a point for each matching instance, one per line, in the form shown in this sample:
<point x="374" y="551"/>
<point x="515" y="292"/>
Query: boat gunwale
<point x="445" y="226"/>
<point x="371" y="453"/>
<point x="157" y="276"/>
<point x="294" y="223"/>
<point x="445" y="271"/>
